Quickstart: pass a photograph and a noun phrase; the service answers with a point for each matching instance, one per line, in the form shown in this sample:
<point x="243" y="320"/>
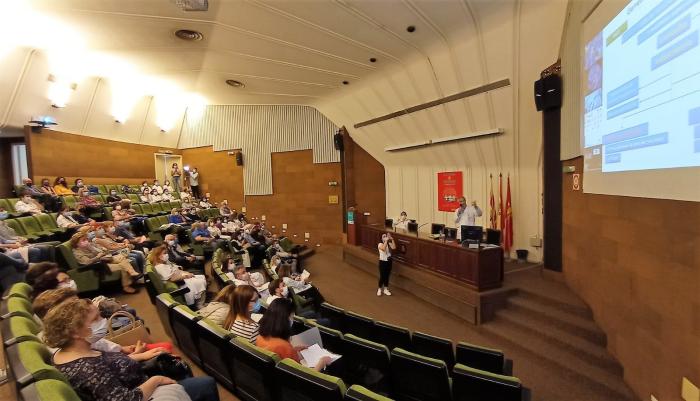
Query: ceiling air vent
<point x="189" y="35"/>
<point x="234" y="83"/>
<point x="192" y="5"/>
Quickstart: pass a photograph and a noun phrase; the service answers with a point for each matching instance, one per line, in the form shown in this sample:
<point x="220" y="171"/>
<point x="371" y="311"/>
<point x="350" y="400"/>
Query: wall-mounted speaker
<point x="239" y="159"/>
<point x="548" y="92"/>
<point x="338" y="141"/>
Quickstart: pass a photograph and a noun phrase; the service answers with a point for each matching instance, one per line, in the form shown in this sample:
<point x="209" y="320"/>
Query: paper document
<point x="305" y="274"/>
<point x="307" y="338"/>
<point x="256" y="317"/>
<point x="314" y="353"/>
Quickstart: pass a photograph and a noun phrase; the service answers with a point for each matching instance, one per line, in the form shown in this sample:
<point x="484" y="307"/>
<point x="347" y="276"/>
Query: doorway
<point x="164" y="162"/>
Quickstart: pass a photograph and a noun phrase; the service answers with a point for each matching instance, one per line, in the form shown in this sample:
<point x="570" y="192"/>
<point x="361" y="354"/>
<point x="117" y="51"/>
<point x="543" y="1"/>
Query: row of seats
<point x="106" y="189"/>
<point x="253" y="373"/>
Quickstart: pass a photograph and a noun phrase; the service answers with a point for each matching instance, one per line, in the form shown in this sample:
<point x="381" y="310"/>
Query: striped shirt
<point x="247" y="330"/>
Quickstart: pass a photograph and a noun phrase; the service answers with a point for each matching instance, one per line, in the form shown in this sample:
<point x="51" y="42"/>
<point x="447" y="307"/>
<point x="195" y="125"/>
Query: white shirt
<point x="402" y="224"/>
<point x="63" y="221"/>
<point x="467" y="217"/>
<point x="386" y="253"/>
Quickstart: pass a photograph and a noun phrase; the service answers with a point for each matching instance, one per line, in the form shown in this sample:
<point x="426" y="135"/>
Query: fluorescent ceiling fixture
<point x="445" y="139"/>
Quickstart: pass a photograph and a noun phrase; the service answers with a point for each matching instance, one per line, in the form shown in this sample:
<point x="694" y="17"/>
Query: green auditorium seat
<point x="253" y="369"/>
<point x="302" y="305"/>
<point x="88" y="278"/>
<point x="176" y="204"/>
<point x="165" y="302"/>
<point x="23" y="290"/>
<point x="157" y="208"/>
<point x="32" y="227"/>
<point x="392" y="336"/>
<point x="108" y="212"/>
<point x="359" y="325"/>
<point x="184" y="323"/>
<point x="70" y="201"/>
<point x="162" y="220"/>
<point x="213" y="343"/>
<point x="298" y="325"/>
<point x="47" y="222"/>
<point x="434" y="347"/>
<point x="16" y="306"/>
<point x="482" y="358"/>
<point x="10" y="207"/>
<point x="332" y="339"/>
<point x="148" y="210"/>
<point x="214" y="212"/>
<point x="18" y="329"/>
<point x="102" y="189"/>
<point x="155" y="286"/>
<point x="299" y="383"/>
<point x="418" y="378"/>
<point x="366" y="363"/>
<point x="30" y="361"/>
<point x="135" y="188"/>
<point x="48" y="390"/>
<point x="359" y="393"/>
<point x="133" y="198"/>
<point x="203" y="215"/>
<point x="335" y="316"/>
<point x="469" y="384"/>
<point x="112" y="187"/>
<point x="19" y="229"/>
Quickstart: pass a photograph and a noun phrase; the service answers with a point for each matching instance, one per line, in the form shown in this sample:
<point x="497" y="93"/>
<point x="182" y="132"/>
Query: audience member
<point x="27" y="204"/>
<point x="46" y="187"/>
<point x="180" y="257"/>
<point x="168" y="271"/>
<point x="166" y="185"/>
<point x="175" y="173"/>
<point x="224" y="210"/>
<point x="87" y="204"/>
<point x="66" y="219"/>
<point x="156" y="189"/>
<point x="240" y="320"/>
<point x="204" y="203"/>
<point x="123" y="247"/>
<point x="240" y="276"/>
<point x="201" y="234"/>
<point x="219" y="307"/>
<point x="277" y="289"/>
<point x="166" y="197"/>
<point x="78" y="185"/>
<point x="194" y="182"/>
<point x="146" y="196"/>
<point x="113" y="198"/>
<point x="50" y="201"/>
<point x="60" y="186"/>
<point x="87" y="254"/>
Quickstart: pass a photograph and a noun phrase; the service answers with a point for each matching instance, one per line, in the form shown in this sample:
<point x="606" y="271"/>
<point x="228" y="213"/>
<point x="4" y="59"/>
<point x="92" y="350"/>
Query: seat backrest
<point x="11" y="204"/>
<point x="434" y="347"/>
<point x="217" y="258"/>
<point x="111" y="187"/>
<point x="366" y="363"/>
<point x="482" y="358"/>
<point x="299" y="383"/>
<point x="49" y="390"/>
<point x="470" y="384"/>
<point x="157" y="207"/>
<point x="392" y="336"/>
<point x="14" y="224"/>
<point x="152" y="224"/>
<point x="46" y="222"/>
<point x="5" y="204"/>
<point x="30" y="361"/>
<point x="213" y="343"/>
<point x="214" y="212"/>
<point x="253" y="371"/>
<point x="70" y="201"/>
<point x="137" y="208"/>
<point x="99" y="197"/>
<point x="17" y="329"/>
<point x="18" y="306"/>
<point x="67" y="253"/>
<point x="23" y="290"/>
<point x="332" y="339"/>
<point x="359" y="325"/>
<point x="286" y="244"/>
<point x="147" y="208"/>
<point x="30" y="225"/>
<point x="163" y="220"/>
<point x="418" y="378"/>
<point x="184" y="323"/>
<point x="359" y="393"/>
<point x="165" y="302"/>
<point x="134" y="198"/>
<point x="102" y="189"/>
<point x="334" y="315"/>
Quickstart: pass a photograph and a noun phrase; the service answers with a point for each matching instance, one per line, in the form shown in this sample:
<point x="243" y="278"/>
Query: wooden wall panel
<point x="369" y="189"/>
<point x="636" y="262"/>
<point x="218" y="174"/>
<point x="6" y="166"/>
<point x="99" y="161"/>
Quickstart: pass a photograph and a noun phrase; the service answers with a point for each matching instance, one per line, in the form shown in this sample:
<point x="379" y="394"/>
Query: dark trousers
<point x="195" y="191"/>
<point x="384" y="272"/>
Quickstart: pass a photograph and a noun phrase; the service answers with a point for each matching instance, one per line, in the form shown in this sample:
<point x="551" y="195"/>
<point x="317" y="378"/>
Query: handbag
<point x="128" y="334"/>
<point x="167" y="365"/>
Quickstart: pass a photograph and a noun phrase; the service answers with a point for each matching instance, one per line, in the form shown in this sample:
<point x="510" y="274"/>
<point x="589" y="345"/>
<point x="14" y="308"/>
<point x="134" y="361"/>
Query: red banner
<point x="449" y="190"/>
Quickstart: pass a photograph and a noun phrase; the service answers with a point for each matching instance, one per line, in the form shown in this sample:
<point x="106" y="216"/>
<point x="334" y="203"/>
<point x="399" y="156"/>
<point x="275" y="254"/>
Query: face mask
<point x="91" y="235"/>
<point x="165" y="257"/>
<point x="118" y="207"/>
<point x="68" y="284"/>
<point x="99" y="330"/>
<point x="62" y="182"/>
<point x="114" y="194"/>
<point x="257" y="306"/>
<point x="27" y="199"/>
<point x="285" y="292"/>
<point x="3" y="215"/>
<point x="172" y="243"/>
<point x="112" y="230"/>
<point x="80" y="183"/>
<point x="100" y="232"/>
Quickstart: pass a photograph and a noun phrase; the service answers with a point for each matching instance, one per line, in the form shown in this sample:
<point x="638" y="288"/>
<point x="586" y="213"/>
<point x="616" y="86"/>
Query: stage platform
<point x="448" y="294"/>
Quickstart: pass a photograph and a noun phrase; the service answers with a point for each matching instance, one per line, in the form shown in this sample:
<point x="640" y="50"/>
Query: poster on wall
<point x="449" y="190"/>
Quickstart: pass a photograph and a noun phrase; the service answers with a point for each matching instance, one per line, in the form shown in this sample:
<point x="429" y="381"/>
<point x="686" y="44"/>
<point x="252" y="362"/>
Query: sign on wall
<point x="449" y="190"/>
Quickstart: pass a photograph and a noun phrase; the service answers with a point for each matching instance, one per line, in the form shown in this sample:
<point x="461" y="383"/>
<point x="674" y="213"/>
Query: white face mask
<point x="285" y="292"/>
<point x="99" y="330"/>
<point x="165" y="257"/>
<point x="68" y="284"/>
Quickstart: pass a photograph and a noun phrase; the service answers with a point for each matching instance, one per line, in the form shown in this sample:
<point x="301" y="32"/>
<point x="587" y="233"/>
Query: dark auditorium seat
<point x="482" y="358"/>
<point x="366" y="363"/>
<point x="253" y="371"/>
<point x="299" y="383"/>
<point x="184" y="324"/>
<point x="434" y="347"/>
<point x="217" y="356"/>
<point x="335" y="316"/>
<point x="165" y="302"/>
<point x="470" y="384"/>
<point x="418" y="378"/>
<point x="359" y="393"/>
<point x="359" y="325"/>
<point x="392" y="336"/>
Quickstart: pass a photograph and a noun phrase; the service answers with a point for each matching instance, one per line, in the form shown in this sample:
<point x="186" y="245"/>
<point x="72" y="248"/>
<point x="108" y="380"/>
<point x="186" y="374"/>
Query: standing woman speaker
<point x="385" y="247"/>
<point x="175" y="174"/>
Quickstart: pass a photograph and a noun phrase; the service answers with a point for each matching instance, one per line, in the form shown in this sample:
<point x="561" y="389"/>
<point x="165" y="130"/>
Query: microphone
<point x="418" y="229"/>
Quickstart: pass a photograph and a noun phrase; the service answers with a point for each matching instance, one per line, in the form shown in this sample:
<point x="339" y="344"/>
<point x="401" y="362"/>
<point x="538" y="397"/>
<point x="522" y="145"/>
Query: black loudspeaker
<point x="493" y="236"/>
<point x="548" y="93"/>
<point x="239" y="159"/>
<point x="338" y="141"/>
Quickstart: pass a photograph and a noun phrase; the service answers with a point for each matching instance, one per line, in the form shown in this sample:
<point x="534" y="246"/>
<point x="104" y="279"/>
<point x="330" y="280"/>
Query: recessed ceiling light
<point x="372" y="60"/>
<point x="189" y="35"/>
<point x="234" y="83"/>
<point x="411" y="28"/>
<point x="346" y="83"/>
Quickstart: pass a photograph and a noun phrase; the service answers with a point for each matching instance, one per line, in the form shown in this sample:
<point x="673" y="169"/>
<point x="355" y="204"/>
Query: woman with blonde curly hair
<point x="107" y="376"/>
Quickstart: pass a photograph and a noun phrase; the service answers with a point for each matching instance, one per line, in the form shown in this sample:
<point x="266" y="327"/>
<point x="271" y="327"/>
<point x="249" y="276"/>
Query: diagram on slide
<point x="641" y="103"/>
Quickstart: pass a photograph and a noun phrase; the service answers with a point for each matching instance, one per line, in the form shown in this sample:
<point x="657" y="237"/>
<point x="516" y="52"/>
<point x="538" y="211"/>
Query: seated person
<point x="27" y="204"/>
<point x="190" y="213"/>
<point x="19" y="248"/>
<point x="181" y="257"/>
<point x="78" y="185"/>
<point x="224" y="210"/>
<point x="166" y="197"/>
<point x="108" y="376"/>
<point x="146" y="196"/>
<point x="169" y="271"/>
<point x="156" y="189"/>
<point x="124" y="233"/>
<point x="123" y="247"/>
<point x="86" y="254"/>
<point x="300" y="285"/>
<point x="175" y="217"/>
<point x="113" y="199"/>
<point x="156" y="197"/>
<point x="215" y="231"/>
<point x="60" y="187"/>
<point x="87" y="204"/>
<point x="277" y="289"/>
<point x="46" y="276"/>
<point x="240" y="320"/>
<point x="166" y="185"/>
<point x="46" y="188"/>
<point x="239" y="276"/>
<point x="204" y="203"/>
<point x="144" y="185"/>
<point x="201" y="235"/>
<point x="275" y="331"/>
<point x="219" y="307"/>
<point x="402" y="221"/>
<point x="50" y="201"/>
<point x="67" y="219"/>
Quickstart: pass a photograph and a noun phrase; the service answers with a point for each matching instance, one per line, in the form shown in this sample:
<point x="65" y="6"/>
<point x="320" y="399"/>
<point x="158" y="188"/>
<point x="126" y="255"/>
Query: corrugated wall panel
<point x="259" y="130"/>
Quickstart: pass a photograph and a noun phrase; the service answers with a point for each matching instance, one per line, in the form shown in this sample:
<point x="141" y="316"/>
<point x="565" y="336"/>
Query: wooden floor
<point x="351" y="288"/>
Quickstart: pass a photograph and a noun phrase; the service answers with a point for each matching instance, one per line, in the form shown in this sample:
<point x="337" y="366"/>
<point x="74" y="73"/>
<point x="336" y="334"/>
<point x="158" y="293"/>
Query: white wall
<point x="499" y="40"/>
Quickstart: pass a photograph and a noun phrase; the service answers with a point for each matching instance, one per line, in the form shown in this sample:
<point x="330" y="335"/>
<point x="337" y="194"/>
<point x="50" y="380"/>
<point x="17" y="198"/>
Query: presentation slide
<point x="642" y="89"/>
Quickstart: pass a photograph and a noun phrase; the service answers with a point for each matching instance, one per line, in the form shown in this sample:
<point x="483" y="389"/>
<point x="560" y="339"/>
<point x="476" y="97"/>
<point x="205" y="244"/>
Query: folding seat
<point x="102" y="189"/>
<point x="299" y="383"/>
<point x="482" y="358"/>
<point x="359" y="393"/>
<point x="418" y="378"/>
<point x="135" y="188"/>
<point x="214" y="212"/>
<point x="137" y="208"/>
<point x="70" y="201"/>
<point x="298" y="325"/>
<point x="47" y="222"/>
<point x="470" y="384"/>
<point x="88" y="278"/>
<point x="332" y="339"/>
<point x="19" y="229"/>
<point x="155" y="286"/>
<point x="184" y="323"/>
<point x="165" y="302"/>
<point x="108" y="212"/>
<point x="23" y="290"/>
<point x="217" y="356"/>
<point x="30" y="361"/>
<point x="152" y="224"/>
<point x="221" y="279"/>
<point x="32" y="227"/>
<point x="16" y="306"/>
<point x="203" y="215"/>
<point x="173" y="205"/>
<point x="156" y="208"/>
<point x="18" y="329"/>
<point x="133" y="198"/>
<point x="434" y="347"/>
<point x="366" y="363"/>
<point x="302" y="306"/>
<point x="99" y="197"/>
<point x="10" y="207"/>
<point x="163" y="220"/>
<point x="392" y="336"/>
<point x="334" y="315"/>
<point x="48" y="390"/>
<point x="359" y="325"/>
<point x="147" y="209"/>
<point x="253" y="371"/>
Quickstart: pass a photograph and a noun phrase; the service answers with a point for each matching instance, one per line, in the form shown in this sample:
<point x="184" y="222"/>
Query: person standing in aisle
<point x="194" y="183"/>
<point x="175" y="174"/>
<point x="385" y="247"/>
